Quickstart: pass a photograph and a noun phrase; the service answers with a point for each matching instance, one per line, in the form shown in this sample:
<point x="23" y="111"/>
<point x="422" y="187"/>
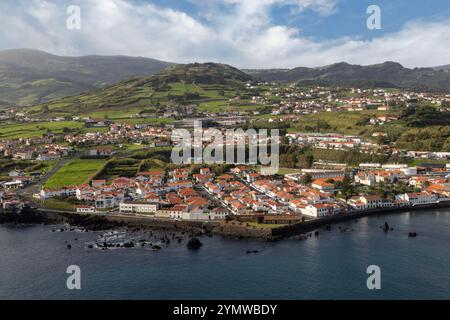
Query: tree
<point x="306" y="161"/>
<point x="347" y="189"/>
<point x="306" y="179"/>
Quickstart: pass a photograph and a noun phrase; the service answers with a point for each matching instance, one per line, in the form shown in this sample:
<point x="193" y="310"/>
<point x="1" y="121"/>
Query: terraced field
<point x="76" y="172"/>
<point x="37" y="129"/>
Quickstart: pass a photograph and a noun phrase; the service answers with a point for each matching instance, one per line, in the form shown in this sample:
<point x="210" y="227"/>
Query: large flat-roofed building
<point x="138" y="207"/>
<point x="317" y="174"/>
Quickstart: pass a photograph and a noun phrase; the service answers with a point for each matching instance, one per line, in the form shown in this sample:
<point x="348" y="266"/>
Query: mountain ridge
<point x="389" y="74"/>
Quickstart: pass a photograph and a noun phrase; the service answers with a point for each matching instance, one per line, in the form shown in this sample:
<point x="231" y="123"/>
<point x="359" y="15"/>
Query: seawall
<point x="312" y="225"/>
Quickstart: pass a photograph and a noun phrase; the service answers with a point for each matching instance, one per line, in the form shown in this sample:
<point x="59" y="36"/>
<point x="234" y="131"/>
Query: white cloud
<point x="243" y="34"/>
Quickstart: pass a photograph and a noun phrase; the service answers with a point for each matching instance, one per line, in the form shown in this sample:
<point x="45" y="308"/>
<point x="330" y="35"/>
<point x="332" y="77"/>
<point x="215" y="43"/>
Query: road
<point x="36" y="186"/>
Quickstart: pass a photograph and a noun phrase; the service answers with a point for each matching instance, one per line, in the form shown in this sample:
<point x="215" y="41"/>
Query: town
<point x="120" y="168"/>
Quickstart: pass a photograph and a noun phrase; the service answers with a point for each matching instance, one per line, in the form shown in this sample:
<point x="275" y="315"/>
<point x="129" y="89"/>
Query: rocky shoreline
<point x="30" y="216"/>
<point x="101" y="223"/>
<point x="231" y="229"/>
<point x="114" y="234"/>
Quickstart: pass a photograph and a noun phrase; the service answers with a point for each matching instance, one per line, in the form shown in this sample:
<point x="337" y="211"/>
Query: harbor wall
<point x="312" y="225"/>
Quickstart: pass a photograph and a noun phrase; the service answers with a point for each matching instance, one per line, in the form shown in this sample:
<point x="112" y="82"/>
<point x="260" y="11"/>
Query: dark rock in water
<point x="90" y="246"/>
<point x="128" y="245"/>
<point x="316" y="233"/>
<point x="386" y="227"/>
<point x="252" y="251"/>
<point x="194" y="244"/>
<point x="155" y="247"/>
<point x="412" y="234"/>
<point x="328" y="227"/>
<point x="69" y="246"/>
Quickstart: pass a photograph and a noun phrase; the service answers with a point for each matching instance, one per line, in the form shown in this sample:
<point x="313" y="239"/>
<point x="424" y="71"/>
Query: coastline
<point x="232" y="229"/>
<point x="102" y="222"/>
<point x="309" y="226"/>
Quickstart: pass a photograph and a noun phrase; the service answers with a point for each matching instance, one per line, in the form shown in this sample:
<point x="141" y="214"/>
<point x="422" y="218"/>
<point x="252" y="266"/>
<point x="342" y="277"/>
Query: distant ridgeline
<point x="385" y="75"/>
<point x="30" y="77"/>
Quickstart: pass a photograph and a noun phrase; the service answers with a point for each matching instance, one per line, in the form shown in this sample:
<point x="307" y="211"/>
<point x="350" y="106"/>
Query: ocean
<point x="34" y="260"/>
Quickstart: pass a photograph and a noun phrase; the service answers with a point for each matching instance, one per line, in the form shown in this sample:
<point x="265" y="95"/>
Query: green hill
<point x="29" y="77"/>
<point x="179" y="84"/>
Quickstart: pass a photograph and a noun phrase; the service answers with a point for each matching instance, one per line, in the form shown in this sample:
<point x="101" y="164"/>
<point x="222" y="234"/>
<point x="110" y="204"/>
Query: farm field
<point x="342" y="122"/>
<point x="36" y="129"/>
<point x="75" y="172"/>
<point x="225" y="105"/>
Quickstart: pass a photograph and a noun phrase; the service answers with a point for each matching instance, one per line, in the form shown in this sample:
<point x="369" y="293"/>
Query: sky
<point x="243" y="33"/>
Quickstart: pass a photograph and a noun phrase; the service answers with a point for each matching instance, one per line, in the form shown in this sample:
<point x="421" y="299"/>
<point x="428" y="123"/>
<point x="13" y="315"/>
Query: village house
<point x="369" y="202"/>
<point x="320" y="210"/>
<point x="175" y="213"/>
<point x="297" y="205"/>
<point x="16" y="173"/>
<point x="324" y="185"/>
<point x="418" y="198"/>
<point x="108" y="200"/>
<point x="47" y="193"/>
<point x="98" y="183"/>
<point x="23" y="155"/>
<point x="48" y="156"/>
<point x="15" y="184"/>
<point x="366" y="178"/>
<point x="86" y="209"/>
<point x="101" y="152"/>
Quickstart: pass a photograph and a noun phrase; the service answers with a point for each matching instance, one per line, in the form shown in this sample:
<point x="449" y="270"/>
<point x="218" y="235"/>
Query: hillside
<point x="388" y="74"/>
<point x="179" y="84"/>
<point x="443" y="68"/>
<point x="29" y="77"/>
